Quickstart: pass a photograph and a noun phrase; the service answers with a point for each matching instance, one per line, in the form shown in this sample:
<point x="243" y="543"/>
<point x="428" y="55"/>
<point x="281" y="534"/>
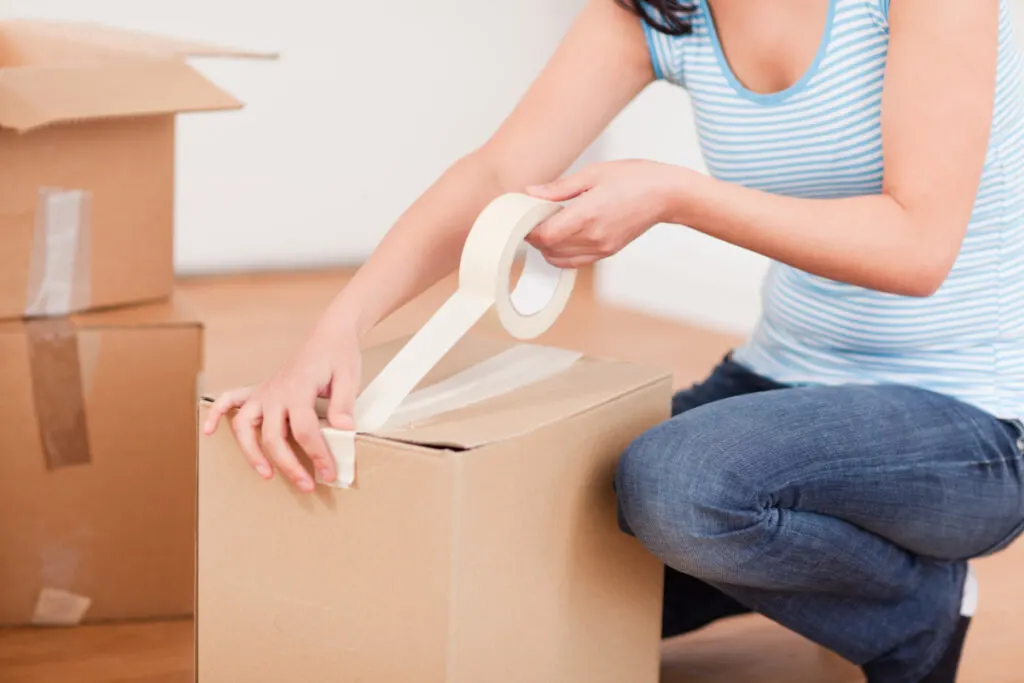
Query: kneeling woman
<point x="837" y="471"/>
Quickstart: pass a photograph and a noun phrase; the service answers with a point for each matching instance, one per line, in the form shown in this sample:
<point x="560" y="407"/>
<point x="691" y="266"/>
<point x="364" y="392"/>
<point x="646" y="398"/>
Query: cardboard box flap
<point x="46" y="42"/>
<point x="586" y="384"/>
<point x="32" y="97"/>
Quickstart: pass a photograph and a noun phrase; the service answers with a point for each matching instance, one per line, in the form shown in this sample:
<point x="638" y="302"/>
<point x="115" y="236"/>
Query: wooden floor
<point x="252" y="325"/>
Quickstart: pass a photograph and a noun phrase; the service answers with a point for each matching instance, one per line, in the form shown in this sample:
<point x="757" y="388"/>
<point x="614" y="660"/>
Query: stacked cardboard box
<point x="98" y="361"/>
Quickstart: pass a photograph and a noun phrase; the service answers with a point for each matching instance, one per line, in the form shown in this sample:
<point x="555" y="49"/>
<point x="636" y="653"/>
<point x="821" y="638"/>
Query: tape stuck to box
<point x="57" y="607"/>
<point x="59" y="274"/>
<point x="58" y="392"/>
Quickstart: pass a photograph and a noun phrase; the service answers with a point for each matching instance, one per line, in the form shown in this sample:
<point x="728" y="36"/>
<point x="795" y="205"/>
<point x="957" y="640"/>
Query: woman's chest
<point x="822" y="150"/>
<point x="819" y="136"/>
<point x="769" y="46"/>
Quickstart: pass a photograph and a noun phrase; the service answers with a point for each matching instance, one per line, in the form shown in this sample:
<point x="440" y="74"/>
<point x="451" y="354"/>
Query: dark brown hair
<point x="668" y="16"/>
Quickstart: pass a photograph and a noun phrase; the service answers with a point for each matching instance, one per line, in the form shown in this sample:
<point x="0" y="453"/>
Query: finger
<point x="305" y="428"/>
<point x="564" y="188"/>
<point x="244" y="425"/>
<point x="344" y="386"/>
<point x="556" y="231"/>
<point x="275" y="444"/>
<point x="573" y="262"/>
<point x="570" y="249"/>
<point x="225" y="403"/>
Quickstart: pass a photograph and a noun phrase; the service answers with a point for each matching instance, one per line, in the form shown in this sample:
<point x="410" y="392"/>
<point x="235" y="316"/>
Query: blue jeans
<point x="845" y="513"/>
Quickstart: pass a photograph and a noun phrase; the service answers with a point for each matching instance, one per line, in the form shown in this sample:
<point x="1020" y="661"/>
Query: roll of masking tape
<point x="538" y="299"/>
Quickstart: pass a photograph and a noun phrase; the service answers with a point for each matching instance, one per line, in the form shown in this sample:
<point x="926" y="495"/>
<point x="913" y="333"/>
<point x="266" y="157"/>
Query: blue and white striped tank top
<point x="821" y="138"/>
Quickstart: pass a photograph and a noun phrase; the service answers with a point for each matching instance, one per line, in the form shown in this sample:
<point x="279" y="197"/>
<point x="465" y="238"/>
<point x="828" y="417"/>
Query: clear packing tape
<point x="59" y="284"/>
<point x="59" y="276"/>
<point x="540" y="296"/>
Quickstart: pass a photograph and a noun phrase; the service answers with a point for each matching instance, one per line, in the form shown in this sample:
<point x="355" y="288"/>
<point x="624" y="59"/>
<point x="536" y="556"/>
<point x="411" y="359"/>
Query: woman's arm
<point x="936" y="115"/>
<point x="601" y="64"/>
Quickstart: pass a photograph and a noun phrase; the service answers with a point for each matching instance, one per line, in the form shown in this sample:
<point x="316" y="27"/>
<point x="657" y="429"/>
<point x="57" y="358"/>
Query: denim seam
<point x="1016" y="457"/>
<point x="998" y="461"/>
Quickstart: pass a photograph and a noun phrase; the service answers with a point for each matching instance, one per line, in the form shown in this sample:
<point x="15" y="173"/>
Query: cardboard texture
<point x="97" y="482"/>
<point x="91" y="110"/>
<point x="477" y="545"/>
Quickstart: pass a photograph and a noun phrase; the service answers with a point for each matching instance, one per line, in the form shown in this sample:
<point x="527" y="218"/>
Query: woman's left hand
<point x="614" y="203"/>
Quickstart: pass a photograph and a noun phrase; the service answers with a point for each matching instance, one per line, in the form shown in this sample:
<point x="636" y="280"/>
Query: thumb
<point x="343" y="394"/>
<point x="562" y="189"/>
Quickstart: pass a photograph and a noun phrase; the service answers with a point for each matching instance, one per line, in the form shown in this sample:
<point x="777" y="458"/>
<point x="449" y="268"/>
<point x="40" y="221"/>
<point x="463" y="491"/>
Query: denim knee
<point x="686" y="501"/>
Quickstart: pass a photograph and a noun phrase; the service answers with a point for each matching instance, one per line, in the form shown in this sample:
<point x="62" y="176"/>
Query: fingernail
<point x="325" y="476"/>
<point x="263" y="470"/>
<point x="306" y="485"/>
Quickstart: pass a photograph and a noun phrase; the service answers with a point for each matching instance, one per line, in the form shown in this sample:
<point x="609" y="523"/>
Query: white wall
<point x="369" y="103"/>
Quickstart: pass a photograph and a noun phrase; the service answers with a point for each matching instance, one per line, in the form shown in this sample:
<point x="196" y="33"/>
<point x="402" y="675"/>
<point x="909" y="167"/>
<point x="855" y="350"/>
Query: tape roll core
<point x="537" y="285"/>
<point x="542" y="291"/>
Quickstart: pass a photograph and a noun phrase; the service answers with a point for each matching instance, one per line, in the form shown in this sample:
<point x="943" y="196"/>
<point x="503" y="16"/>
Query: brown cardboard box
<point x="482" y="546"/>
<point x="97" y="479"/>
<point x="87" y="179"/>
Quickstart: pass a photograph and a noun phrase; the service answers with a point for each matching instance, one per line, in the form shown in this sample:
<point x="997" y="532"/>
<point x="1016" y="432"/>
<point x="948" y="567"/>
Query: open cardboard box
<point x="87" y="139"/>
<point x="480" y="544"/>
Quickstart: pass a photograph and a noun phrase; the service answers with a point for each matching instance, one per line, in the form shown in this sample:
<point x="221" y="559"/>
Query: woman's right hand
<point x="328" y="366"/>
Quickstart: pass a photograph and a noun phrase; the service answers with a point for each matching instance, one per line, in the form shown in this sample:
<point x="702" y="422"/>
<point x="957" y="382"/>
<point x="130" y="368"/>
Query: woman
<point x="837" y="471"/>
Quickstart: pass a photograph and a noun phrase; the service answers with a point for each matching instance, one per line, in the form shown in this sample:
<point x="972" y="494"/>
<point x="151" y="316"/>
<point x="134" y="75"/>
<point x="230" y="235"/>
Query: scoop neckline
<point x="778" y="96"/>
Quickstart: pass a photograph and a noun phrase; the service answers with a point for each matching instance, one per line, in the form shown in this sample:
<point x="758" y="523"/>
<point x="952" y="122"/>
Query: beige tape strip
<point x="56" y="607"/>
<point x="484" y="271"/>
<point x="517" y="367"/>
<point x="58" y="391"/>
<point x="59" y="277"/>
<point x="514" y="368"/>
